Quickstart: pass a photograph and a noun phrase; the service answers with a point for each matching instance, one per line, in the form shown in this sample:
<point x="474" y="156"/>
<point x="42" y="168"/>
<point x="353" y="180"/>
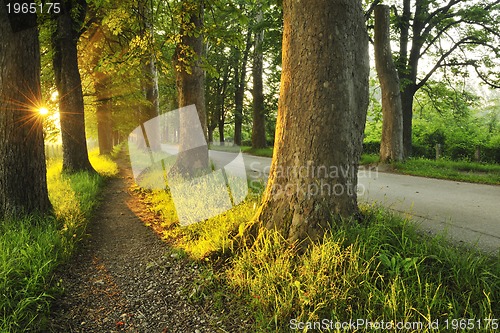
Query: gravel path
<point x="123" y="278"/>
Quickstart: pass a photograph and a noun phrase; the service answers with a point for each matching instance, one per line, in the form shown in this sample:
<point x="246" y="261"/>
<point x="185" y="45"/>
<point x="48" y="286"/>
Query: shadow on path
<point x="123" y="278"/>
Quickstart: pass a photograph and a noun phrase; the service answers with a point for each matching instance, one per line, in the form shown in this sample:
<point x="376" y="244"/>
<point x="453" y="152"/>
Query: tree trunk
<point x="150" y="87"/>
<point x="190" y="80"/>
<point x="408" y="65"/>
<point x="149" y="80"/>
<point x="391" y="145"/>
<point x="104" y="109"/>
<point x="240" y="75"/>
<point x="220" y="125"/>
<point x="23" y="184"/>
<point x="103" y="95"/>
<point x="259" y="115"/>
<point x="69" y="86"/>
<point x="321" y="118"/>
<point x="222" y="108"/>
<point x="407" y="105"/>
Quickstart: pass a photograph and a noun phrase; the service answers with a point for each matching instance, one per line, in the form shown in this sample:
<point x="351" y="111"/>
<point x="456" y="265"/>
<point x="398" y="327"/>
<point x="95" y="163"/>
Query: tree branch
<point x="441" y="59"/>
<point x="484" y="79"/>
<point x="371" y="9"/>
<point x="440" y="33"/>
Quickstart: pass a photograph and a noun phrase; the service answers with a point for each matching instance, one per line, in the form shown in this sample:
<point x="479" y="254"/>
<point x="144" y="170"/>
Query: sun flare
<point x="43" y="111"/>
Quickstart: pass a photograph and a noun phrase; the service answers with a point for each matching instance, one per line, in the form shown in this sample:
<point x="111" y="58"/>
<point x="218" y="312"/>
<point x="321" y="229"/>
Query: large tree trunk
<point x="190" y="80"/>
<point x="240" y="74"/>
<point x="23" y="184"/>
<point x="391" y="145"/>
<point x="259" y="115"/>
<point x="69" y="86"/>
<point x="321" y="118"/>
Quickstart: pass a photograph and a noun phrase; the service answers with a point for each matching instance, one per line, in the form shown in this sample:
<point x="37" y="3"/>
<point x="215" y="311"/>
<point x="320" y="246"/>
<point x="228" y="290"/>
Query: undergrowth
<point x="30" y="249"/>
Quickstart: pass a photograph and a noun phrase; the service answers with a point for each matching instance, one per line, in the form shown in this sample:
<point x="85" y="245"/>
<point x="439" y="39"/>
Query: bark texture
<point x="23" y="185"/>
<point x="69" y="85"/>
<point x="391" y="145"/>
<point x="259" y="114"/>
<point x="321" y="118"/>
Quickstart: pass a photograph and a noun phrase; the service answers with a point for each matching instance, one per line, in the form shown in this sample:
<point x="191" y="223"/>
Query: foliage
<point x="32" y="248"/>
<point x="373" y="127"/>
<point x="451" y="116"/>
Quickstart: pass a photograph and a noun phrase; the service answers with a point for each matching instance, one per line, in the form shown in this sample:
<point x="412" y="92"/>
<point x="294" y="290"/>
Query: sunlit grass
<point x="30" y="249"/>
<point x="383" y="269"/>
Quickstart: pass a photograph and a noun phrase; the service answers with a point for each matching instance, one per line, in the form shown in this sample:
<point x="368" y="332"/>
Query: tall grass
<point x="30" y="249"/>
<point x="381" y="270"/>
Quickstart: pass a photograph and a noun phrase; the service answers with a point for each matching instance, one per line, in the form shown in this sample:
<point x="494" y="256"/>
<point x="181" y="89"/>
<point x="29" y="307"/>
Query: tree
<point x="102" y="83"/>
<point x="68" y="25"/>
<point x="240" y="74"/>
<point x="391" y="145"/>
<point x="321" y="117"/>
<point x="150" y="74"/>
<point x="190" y="81"/>
<point x="259" y="115"/>
<point x="455" y="33"/>
<point x="23" y="185"/>
<point x="104" y="109"/>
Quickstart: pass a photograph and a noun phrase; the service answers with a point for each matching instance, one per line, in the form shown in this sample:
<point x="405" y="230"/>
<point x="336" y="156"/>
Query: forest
<point x="358" y="141"/>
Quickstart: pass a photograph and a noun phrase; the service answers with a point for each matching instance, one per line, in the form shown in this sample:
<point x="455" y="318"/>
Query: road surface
<point x="466" y="212"/>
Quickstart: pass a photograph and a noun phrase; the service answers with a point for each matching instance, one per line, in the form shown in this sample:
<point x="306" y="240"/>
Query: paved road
<point x="466" y="212"/>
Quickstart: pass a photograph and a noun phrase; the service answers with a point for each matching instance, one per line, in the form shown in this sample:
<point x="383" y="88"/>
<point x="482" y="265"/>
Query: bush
<point x="371" y="147"/>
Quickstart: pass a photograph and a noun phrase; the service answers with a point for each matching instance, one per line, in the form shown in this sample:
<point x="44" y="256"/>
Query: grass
<point x="464" y="171"/>
<point x="369" y="159"/>
<point x="381" y="270"/>
<point x="454" y="170"/>
<point x="32" y="248"/>
<point x="264" y="152"/>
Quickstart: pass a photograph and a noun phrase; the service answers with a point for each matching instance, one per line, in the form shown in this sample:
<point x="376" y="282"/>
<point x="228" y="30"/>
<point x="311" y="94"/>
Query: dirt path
<point x="123" y="278"/>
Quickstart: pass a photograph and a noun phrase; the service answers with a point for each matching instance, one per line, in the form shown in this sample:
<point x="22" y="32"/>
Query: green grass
<point x="369" y="159"/>
<point x="383" y="269"/>
<point x="453" y="170"/>
<point x="32" y="248"/>
<point x="465" y="171"/>
<point x="264" y="152"/>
